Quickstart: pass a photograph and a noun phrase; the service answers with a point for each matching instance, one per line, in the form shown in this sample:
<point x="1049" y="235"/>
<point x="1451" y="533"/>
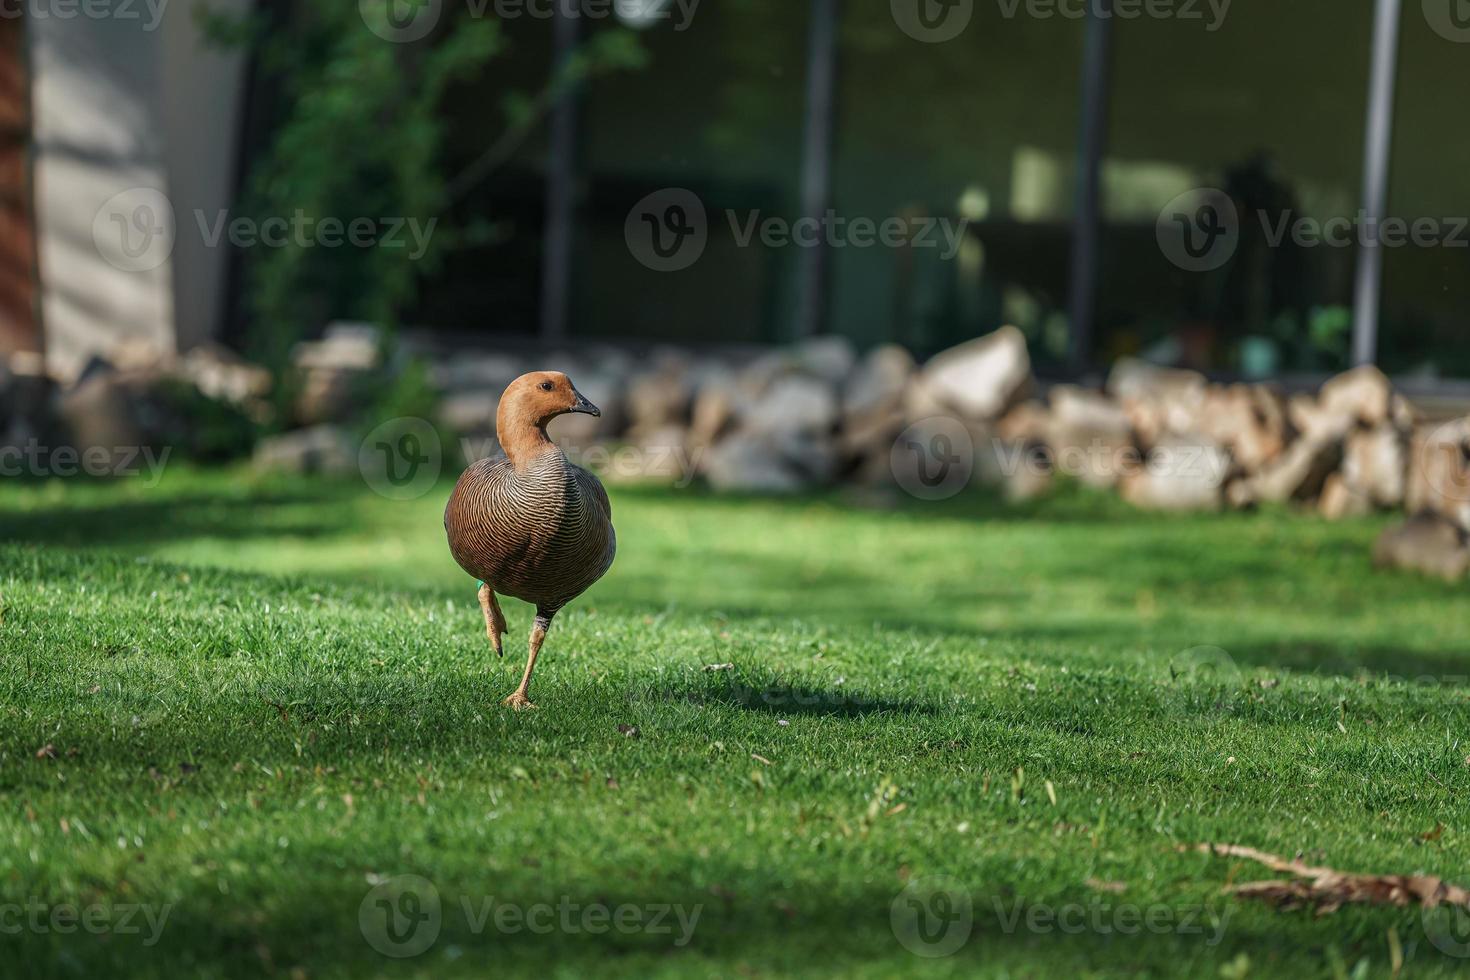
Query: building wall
<point x="134" y="128"/>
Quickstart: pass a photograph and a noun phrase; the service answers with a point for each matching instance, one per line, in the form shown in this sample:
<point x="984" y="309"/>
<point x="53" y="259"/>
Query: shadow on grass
<point x="326" y="918"/>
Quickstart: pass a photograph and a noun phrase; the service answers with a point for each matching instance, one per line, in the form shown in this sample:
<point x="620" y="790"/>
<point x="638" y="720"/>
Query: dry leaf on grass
<point x="1327" y="889"/>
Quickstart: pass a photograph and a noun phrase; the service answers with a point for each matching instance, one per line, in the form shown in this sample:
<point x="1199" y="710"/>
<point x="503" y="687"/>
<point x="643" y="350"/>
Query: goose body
<point x="531" y="524"/>
<point x="542" y="535"/>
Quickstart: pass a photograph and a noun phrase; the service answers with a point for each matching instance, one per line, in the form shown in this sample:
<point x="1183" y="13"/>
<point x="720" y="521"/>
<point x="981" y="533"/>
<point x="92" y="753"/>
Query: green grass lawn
<point x="265" y="700"/>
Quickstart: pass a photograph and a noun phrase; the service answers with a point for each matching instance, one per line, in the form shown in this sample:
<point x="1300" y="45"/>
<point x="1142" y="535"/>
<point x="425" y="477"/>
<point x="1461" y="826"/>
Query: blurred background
<point x="334" y="213"/>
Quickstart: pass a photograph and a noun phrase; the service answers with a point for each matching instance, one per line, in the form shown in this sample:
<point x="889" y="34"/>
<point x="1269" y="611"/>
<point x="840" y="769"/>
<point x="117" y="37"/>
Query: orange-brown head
<point x="528" y="404"/>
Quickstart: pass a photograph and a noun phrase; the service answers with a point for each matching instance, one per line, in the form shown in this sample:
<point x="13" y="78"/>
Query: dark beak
<point x="584" y="406"/>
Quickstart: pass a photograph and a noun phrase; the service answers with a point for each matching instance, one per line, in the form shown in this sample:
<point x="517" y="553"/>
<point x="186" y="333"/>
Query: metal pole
<point x="1092" y="137"/>
<point x="816" y="162"/>
<point x="561" y="186"/>
<point x="1376" y="149"/>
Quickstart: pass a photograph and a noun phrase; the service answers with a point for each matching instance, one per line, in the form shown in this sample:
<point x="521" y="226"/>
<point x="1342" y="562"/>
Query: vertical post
<point x="1091" y="138"/>
<point x="561" y="184"/>
<point x="816" y="162"/>
<point x="1376" y="148"/>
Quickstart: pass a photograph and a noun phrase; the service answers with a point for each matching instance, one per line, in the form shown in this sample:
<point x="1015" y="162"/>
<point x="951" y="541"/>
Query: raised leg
<point x="494" y="618"/>
<point x="520" y="699"/>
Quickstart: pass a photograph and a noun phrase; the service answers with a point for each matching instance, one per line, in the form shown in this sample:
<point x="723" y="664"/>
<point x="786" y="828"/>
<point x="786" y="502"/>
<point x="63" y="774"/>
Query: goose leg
<point x="494" y="618"/>
<point x="519" y="699"/>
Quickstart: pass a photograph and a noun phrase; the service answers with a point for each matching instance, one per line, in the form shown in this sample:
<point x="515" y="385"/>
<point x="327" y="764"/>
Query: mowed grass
<point x="263" y="699"/>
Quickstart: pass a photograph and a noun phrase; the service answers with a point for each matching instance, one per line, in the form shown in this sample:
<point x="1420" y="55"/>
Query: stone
<point x="468" y="412"/>
<point x="343" y="347"/>
<point x="1439" y="470"/>
<point x="1363" y="395"/>
<point x="1339" y="500"/>
<point x="1027" y="422"/>
<point x="795" y="403"/>
<point x="329" y="395"/>
<point x="1427" y="542"/>
<point x="829" y="357"/>
<point x="1298" y="474"/>
<point x="658" y="456"/>
<point x="659" y="398"/>
<point x="1180" y="473"/>
<point x="1249" y="420"/>
<point x="107" y="410"/>
<point x="750" y="463"/>
<point x="714" y="411"/>
<point x="1158" y="400"/>
<point x="220" y="373"/>
<point x="1079" y="408"/>
<point x="878" y="384"/>
<point x="1375" y="465"/>
<point x="320" y="449"/>
<point x="1090" y="436"/>
<point x="981" y="378"/>
<point x="491" y="372"/>
<point x="1028" y="482"/>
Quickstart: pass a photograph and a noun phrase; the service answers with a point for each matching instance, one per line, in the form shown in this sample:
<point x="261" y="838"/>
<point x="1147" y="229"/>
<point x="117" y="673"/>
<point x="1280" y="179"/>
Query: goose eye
<point x="546" y="386"/>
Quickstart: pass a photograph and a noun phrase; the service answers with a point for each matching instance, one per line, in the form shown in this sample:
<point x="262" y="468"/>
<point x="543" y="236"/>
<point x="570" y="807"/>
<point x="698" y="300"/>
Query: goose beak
<point x="583" y="406"/>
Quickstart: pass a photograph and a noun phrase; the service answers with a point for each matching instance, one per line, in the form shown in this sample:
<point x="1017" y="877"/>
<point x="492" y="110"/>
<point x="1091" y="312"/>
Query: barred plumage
<point x="531" y="524"/>
<point x="543" y="535"/>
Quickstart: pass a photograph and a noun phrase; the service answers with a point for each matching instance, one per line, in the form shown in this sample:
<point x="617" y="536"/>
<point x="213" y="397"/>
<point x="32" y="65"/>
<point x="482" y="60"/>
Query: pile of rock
<point x="204" y="406"/>
<point x="816" y="414"/>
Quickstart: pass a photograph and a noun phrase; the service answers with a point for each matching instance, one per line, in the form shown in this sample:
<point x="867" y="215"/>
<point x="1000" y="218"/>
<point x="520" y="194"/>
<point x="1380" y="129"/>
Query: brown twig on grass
<point x="1326" y="889"/>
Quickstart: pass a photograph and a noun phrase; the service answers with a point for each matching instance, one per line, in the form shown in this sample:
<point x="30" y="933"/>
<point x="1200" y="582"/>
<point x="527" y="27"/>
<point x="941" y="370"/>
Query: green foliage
<point x="360" y="134"/>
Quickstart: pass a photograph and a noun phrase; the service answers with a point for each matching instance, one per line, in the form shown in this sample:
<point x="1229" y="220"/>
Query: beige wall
<point x="135" y="119"/>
